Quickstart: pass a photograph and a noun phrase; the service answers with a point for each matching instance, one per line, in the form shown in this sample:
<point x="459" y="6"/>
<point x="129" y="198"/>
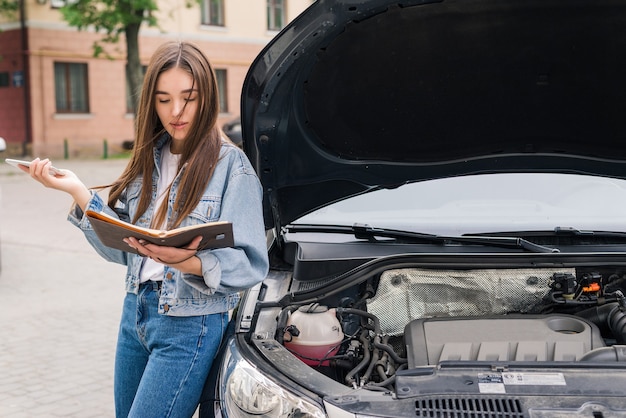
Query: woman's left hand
<point x="171" y="256"/>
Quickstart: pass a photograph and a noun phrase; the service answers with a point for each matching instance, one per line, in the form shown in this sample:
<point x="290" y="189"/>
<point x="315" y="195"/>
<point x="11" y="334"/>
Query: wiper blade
<point x="568" y="230"/>
<point x="510" y="242"/>
<point x="365" y="231"/>
<point x="362" y="231"/>
<point x="571" y="231"/>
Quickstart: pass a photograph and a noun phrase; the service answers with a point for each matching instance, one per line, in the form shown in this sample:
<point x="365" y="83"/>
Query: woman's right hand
<point x="68" y="182"/>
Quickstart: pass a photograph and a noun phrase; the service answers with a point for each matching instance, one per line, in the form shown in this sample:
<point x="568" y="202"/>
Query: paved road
<point x="61" y="302"/>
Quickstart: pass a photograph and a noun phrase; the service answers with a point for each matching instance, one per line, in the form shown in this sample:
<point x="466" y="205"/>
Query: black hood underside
<point x="355" y="95"/>
<point x="457" y="80"/>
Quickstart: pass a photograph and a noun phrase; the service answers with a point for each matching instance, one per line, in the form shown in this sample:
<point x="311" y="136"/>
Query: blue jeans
<point x="162" y="362"/>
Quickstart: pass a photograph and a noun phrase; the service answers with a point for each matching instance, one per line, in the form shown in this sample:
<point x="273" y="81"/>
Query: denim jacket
<point x="233" y="194"/>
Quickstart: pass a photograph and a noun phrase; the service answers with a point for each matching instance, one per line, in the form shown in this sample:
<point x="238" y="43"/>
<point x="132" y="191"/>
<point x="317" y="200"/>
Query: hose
<point x="611" y="315"/>
<point x="366" y="358"/>
<point x="606" y="354"/>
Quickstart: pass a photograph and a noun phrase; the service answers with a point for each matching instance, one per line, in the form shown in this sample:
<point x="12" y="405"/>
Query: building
<point x="58" y="100"/>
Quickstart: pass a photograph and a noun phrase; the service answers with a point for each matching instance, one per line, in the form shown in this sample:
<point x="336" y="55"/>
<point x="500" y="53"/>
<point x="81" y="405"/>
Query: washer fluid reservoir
<point x="313" y="333"/>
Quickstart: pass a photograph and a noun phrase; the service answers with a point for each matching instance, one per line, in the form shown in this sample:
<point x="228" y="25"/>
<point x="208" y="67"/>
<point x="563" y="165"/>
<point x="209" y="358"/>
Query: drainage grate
<point x="303" y="286"/>
<point x="459" y="407"/>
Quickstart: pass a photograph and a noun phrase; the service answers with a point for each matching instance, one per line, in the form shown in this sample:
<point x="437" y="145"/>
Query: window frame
<point x="5" y="79"/>
<point x="57" y="4"/>
<point x="276" y="8"/>
<point x="209" y="16"/>
<point x="221" y="78"/>
<point x="69" y="88"/>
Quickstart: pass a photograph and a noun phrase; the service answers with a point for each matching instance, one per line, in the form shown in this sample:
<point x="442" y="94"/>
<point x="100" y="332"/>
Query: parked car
<point x="232" y="129"/>
<point x="445" y="194"/>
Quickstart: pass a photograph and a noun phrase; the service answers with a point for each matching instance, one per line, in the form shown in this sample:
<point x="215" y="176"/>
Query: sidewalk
<point x="61" y="302"/>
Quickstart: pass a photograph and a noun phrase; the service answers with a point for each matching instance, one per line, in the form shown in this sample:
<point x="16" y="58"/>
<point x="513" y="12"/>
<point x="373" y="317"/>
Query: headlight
<point x="245" y="392"/>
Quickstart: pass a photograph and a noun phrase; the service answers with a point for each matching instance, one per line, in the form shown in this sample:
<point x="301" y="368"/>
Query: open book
<point x="112" y="232"/>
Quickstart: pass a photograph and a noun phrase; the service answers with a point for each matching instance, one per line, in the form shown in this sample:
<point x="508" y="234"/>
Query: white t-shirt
<point x="152" y="270"/>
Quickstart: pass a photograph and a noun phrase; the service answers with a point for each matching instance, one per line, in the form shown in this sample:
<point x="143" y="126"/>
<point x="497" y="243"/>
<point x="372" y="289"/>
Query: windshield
<point x="487" y="203"/>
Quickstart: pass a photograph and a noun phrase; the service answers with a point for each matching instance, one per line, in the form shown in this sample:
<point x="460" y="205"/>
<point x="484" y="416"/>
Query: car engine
<point x="414" y="318"/>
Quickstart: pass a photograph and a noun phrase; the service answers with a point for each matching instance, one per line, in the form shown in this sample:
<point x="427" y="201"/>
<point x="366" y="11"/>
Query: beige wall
<point x="244" y="18"/>
<point x="84" y="133"/>
<point x="232" y="47"/>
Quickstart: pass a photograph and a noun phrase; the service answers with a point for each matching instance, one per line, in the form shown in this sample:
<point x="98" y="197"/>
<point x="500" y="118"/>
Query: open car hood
<point x="355" y="95"/>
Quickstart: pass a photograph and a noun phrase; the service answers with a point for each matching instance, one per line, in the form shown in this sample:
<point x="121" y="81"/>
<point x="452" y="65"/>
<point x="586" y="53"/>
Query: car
<point x="232" y="129"/>
<point x="444" y="192"/>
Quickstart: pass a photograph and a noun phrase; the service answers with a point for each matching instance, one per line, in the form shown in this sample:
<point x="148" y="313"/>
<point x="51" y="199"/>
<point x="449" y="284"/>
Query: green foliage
<point x="9" y="7"/>
<point x="111" y="17"/>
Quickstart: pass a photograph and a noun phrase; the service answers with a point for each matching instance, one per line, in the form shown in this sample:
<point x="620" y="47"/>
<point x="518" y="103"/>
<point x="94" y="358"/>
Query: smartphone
<point x="53" y="170"/>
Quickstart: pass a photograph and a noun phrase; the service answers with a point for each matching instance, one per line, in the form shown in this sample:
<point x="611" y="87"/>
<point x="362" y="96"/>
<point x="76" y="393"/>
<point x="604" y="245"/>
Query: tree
<point x="9" y="7"/>
<point x="114" y="18"/>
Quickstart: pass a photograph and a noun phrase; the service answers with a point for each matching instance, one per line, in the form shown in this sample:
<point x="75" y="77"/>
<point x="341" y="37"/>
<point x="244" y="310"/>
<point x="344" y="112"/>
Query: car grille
<point x="465" y="407"/>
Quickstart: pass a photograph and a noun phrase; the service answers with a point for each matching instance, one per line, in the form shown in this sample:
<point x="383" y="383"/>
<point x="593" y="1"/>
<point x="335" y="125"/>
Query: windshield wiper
<point x="365" y="231"/>
<point x="568" y="230"/>
<point x="362" y="231"/>
<point x="514" y="242"/>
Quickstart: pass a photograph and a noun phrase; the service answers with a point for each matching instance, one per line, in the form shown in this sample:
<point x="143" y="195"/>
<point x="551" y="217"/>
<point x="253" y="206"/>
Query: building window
<point x="212" y="12"/>
<point x="57" y="4"/>
<point x="220" y="77"/>
<point x="275" y="14"/>
<point x="71" y="88"/>
<point x="4" y="79"/>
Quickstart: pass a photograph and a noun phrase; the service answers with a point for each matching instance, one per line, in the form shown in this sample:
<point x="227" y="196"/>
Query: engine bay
<point x="411" y="318"/>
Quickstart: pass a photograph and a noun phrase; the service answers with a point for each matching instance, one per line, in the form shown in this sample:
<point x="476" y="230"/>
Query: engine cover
<point x="553" y="337"/>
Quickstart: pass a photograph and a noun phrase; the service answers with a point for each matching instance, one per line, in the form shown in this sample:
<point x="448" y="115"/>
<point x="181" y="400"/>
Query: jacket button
<point x="169" y="276"/>
<point x="166" y="307"/>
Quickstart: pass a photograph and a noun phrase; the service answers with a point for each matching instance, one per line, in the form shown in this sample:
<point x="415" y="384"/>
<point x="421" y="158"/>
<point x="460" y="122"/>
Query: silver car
<point x="445" y="200"/>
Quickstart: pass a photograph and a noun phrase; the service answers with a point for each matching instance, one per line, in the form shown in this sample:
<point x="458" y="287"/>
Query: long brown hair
<point x="201" y="146"/>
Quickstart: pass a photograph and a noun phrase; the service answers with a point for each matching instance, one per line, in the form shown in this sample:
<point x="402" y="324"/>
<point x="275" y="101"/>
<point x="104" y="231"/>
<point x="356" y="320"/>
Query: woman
<point x="181" y="172"/>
